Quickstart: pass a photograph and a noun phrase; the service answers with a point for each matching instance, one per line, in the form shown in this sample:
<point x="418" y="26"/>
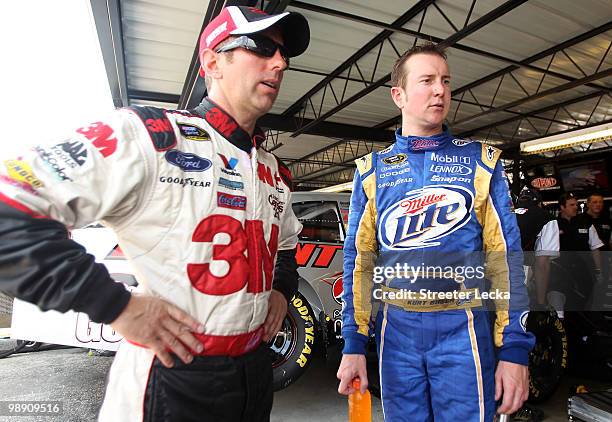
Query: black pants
<point x="211" y="388"/>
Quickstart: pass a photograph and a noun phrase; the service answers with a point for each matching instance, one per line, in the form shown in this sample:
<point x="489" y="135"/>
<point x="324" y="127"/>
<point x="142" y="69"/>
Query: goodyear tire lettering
<point x="548" y="360"/>
<point x="291" y="362"/>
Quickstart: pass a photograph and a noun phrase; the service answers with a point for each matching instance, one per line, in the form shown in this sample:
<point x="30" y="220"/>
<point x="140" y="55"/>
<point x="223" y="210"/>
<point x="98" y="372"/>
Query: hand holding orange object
<point x="360" y="405"/>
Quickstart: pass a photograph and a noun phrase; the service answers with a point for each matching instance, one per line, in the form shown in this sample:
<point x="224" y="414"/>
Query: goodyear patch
<point x="20" y="171"/>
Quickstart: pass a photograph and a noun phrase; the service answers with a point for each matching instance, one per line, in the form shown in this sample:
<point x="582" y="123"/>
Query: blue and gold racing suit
<point x="432" y="237"/>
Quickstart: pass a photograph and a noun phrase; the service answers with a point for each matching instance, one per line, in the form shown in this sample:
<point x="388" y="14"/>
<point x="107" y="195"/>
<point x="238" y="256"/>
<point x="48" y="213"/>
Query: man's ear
<point x="398" y="95"/>
<point x="210" y="63"/>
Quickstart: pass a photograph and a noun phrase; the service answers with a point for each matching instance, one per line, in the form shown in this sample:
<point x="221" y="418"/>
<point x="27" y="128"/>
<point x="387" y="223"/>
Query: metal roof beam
<point x="405" y="18"/>
<point x="448" y="42"/>
<point x="279" y="123"/>
<point x="515" y="63"/>
<point x="107" y="15"/>
<point x="332" y="178"/>
<point x="341" y="155"/>
<point x="328" y="129"/>
<point x="194" y="88"/>
<point x="551" y="91"/>
<point x="569" y="131"/>
<point x="524" y="63"/>
<point x="136" y="94"/>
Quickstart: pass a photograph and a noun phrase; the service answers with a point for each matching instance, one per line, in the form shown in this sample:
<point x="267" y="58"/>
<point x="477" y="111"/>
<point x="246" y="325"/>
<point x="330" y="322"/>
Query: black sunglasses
<point x="258" y="44"/>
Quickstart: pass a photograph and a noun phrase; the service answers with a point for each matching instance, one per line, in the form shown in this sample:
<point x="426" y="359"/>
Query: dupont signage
<point x="545" y="183"/>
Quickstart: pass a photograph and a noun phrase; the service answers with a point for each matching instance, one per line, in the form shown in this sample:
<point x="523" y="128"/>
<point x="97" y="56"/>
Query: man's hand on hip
<point x="511" y="381"/>
<point x="351" y="367"/>
<point x="277" y="309"/>
<point x="160" y="326"/>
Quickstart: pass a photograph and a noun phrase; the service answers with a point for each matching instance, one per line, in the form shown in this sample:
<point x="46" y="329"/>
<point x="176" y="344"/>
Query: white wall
<point x="52" y="78"/>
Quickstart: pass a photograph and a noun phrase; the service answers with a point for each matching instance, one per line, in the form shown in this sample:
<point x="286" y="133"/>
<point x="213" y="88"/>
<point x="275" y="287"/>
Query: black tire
<point x="30" y="346"/>
<point x="292" y="349"/>
<point x="8" y="347"/>
<point x="548" y="359"/>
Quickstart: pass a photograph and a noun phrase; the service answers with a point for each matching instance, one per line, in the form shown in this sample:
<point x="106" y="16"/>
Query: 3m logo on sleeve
<point x="101" y="136"/>
<point x="425" y="216"/>
<point x="158" y="126"/>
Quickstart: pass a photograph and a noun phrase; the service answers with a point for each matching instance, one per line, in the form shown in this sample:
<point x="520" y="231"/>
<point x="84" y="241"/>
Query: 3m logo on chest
<point x="425" y="216"/>
<point x="158" y="125"/>
<point x="221" y="122"/>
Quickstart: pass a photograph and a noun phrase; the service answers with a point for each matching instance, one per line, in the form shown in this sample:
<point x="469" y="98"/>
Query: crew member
<point x="576" y="237"/>
<point x="539" y="240"/>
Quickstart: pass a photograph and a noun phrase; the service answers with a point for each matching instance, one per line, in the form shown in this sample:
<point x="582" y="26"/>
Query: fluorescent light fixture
<point x="564" y="140"/>
<point x="343" y="187"/>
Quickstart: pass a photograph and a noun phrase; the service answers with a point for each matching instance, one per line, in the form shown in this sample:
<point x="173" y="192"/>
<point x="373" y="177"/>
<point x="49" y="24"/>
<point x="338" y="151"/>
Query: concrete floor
<point x="77" y="380"/>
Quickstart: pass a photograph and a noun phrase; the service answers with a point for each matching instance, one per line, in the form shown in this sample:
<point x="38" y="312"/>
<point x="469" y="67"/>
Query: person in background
<point x="200" y="210"/>
<point x="580" y="267"/>
<point x="596" y="215"/>
<point x="539" y="241"/>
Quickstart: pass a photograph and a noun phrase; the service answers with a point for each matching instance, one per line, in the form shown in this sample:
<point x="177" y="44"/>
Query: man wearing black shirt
<point x="595" y="216"/>
<point x="579" y="269"/>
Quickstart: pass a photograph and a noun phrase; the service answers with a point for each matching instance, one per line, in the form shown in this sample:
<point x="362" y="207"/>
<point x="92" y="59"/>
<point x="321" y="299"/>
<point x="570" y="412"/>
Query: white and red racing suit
<point x="198" y="207"/>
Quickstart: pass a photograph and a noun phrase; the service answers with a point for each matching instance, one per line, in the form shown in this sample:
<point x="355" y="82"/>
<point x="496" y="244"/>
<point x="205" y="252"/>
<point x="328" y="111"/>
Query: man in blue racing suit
<point x="432" y="238"/>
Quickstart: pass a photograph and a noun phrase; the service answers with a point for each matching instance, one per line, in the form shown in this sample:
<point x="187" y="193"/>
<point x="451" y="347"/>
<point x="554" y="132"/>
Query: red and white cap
<point x="243" y="20"/>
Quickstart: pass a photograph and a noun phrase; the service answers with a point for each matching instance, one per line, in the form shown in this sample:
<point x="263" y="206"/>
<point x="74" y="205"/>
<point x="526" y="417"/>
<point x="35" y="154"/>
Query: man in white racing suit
<point x="202" y="212"/>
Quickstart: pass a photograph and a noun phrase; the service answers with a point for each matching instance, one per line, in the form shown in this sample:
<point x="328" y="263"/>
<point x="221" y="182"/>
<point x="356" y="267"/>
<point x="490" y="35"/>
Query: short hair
<point x="229" y="55"/>
<point x="566" y="197"/>
<point x="398" y="75"/>
<point x="594" y="194"/>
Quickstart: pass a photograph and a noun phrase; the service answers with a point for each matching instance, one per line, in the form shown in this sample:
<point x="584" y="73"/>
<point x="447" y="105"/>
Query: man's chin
<point x="265" y="105"/>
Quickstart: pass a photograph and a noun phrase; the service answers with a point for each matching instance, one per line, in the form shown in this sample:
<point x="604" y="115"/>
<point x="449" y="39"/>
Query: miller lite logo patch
<point x="425" y="216"/>
<point x="422" y="144"/>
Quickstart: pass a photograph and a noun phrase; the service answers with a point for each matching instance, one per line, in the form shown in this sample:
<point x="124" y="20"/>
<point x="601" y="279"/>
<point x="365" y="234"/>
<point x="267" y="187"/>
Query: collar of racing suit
<point x="228" y="127"/>
<point x="423" y="143"/>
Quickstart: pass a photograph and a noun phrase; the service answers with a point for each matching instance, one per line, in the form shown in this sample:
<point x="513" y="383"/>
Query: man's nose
<point x="438" y="88"/>
<point x="279" y="61"/>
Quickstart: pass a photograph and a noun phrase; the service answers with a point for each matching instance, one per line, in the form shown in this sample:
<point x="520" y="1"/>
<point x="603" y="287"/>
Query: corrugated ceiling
<point x="540" y="96"/>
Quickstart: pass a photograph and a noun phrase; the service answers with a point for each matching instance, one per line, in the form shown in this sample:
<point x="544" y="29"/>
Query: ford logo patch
<point x="187" y="161"/>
